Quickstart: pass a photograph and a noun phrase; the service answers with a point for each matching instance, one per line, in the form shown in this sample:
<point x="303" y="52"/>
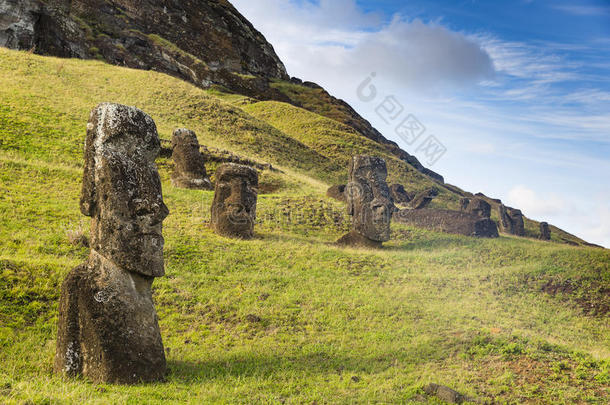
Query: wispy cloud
<point x="581" y="10"/>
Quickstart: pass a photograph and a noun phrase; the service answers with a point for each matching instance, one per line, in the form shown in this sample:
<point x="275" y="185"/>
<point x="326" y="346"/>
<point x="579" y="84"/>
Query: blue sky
<point x="518" y="92"/>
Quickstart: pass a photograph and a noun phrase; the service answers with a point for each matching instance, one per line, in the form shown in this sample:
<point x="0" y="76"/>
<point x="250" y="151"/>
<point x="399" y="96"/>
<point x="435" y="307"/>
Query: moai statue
<point x="511" y="220"/>
<point x="189" y="163"/>
<point x="477" y="206"/>
<point x="369" y="202"/>
<point x="234" y="205"/>
<point x="108" y="328"/>
<point x="516" y="217"/>
<point x="545" y="231"/>
<point x="399" y="194"/>
<point x="423" y="199"/>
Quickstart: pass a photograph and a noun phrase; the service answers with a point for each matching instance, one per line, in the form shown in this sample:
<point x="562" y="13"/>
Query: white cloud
<point x="534" y="205"/>
<point x="584" y="10"/>
<point x="342" y="40"/>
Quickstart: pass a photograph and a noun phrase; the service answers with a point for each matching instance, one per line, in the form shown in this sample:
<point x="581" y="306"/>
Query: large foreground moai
<point x="108" y="328"/>
<point x="511" y="220"/>
<point x="234" y="205"/>
<point x="369" y="202"/>
<point x="189" y="163"/>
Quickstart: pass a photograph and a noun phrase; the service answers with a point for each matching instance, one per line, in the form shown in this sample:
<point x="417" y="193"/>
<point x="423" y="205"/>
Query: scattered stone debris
<point x="234" y="205"/>
<point x="369" y="202"/>
<point x="108" y="329"/>
<point x="189" y="163"/>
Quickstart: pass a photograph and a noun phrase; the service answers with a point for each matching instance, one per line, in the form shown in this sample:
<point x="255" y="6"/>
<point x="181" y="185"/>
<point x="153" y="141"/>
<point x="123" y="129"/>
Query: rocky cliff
<point x="206" y="42"/>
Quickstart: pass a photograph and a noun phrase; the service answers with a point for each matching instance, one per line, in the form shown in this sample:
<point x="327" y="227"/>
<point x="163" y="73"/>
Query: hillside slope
<point x="287" y="317"/>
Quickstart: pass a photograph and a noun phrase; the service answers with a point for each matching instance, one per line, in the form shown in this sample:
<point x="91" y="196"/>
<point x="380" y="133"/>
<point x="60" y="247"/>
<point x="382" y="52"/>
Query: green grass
<point x="287" y="317"/>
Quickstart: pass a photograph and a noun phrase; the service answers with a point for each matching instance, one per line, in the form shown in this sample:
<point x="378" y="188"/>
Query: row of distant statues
<point x="108" y="328"/>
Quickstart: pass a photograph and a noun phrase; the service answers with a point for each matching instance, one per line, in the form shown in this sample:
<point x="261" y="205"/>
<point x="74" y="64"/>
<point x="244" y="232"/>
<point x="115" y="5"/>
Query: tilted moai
<point x="369" y="202"/>
<point x="511" y="220"/>
<point x="108" y="328"/>
<point x="189" y="163"/>
<point x="234" y="205"/>
<point x="545" y="231"/>
<point x="399" y="194"/>
<point x="423" y="199"/>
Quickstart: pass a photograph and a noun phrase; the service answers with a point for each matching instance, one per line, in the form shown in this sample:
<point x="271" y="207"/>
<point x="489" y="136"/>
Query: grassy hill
<point x="287" y="317"/>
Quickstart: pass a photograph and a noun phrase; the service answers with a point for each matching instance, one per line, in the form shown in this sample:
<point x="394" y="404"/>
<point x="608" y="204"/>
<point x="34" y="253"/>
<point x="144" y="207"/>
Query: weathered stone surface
<point x="511" y="220"/>
<point x="17" y="23"/>
<point x="189" y="163"/>
<point x="456" y="222"/>
<point x="368" y="199"/>
<point x="476" y="206"/>
<point x="399" y="194"/>
<point x="234" y="205"/>
<point x="423" y="199"/>
<point x="337" y="192"/>
<point x="108" y="328"/>
<point x="545" y="231"/>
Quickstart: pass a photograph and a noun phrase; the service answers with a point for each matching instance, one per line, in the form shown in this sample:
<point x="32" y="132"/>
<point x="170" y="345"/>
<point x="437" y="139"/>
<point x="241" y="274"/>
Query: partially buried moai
<point x="545" y="231"/>
<point x="189" y="163"/>
<point x="369" y="202"/>
<point x="108" y="328"/>
<point x="234" y="205"/>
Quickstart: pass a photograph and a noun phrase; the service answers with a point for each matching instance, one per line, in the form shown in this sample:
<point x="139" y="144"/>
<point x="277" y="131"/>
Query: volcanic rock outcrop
<point x="234" y="205"/>
<point x="189" y="163"/>
<point x="369" y="202"/>
<point x="108" y="328"/>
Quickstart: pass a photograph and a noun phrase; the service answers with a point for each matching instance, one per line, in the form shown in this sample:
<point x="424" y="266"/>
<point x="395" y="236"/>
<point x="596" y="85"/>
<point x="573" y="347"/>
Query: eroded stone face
<point x="545" y="231"/>
<point x="234" y="205"/>
<point x="189" y="163"/>
<point x="122" y="189"/>
<point x="368" y="198"/>
<point x="108" y="329"/>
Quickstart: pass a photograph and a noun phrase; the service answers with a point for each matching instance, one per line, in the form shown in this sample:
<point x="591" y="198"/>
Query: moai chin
<point x="369" y="202"/>
<point x="189" y="163"/>
<point x="108" y="328"/>
<point x="234" y="205"/>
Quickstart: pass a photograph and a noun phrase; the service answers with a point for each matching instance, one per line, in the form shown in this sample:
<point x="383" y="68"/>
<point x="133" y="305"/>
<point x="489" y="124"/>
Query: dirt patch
<point x="592" y="296"/>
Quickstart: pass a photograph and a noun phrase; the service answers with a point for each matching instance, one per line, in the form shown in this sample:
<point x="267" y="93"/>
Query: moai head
<point x="122" y="189"/>
<point x="368" y="198"/>
<point x="189" y="163"/>
<point x="480" y="208"/>
<point x="234" y="205"/>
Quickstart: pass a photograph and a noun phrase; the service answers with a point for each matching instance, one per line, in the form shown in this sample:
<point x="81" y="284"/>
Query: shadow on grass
<point x="264" y="366"/>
